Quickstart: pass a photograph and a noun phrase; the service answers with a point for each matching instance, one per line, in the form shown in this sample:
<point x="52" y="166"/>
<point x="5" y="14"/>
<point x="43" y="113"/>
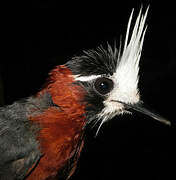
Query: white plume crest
<point x="130" y="57"/>
<point x="126" y="76"/>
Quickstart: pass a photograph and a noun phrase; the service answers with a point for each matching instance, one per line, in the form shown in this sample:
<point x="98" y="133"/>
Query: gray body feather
<point x="19" y="149"/>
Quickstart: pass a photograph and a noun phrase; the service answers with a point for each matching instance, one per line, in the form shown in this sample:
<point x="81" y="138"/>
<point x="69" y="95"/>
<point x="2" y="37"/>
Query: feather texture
<point x="126" y="75"/>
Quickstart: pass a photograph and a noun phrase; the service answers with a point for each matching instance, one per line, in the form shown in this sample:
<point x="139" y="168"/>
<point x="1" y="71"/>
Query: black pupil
<point x="103" y="85"/>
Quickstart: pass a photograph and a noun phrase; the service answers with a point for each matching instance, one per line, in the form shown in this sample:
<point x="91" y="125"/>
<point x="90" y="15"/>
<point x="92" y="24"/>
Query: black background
<point x="42" y="34"/>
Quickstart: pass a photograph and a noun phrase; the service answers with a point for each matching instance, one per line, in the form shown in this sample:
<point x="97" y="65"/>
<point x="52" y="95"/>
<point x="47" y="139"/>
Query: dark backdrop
<point x="48" y="34"/>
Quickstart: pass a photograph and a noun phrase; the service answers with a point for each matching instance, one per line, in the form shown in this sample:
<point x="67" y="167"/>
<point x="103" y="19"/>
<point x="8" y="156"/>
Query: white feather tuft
<point x="130" y="57"/>
<point x="126" y="76"/>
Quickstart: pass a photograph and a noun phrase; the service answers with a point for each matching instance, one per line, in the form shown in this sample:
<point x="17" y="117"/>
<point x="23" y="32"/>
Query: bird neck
<point x="62" y="124"/>
<point x="65" y="94"/>
<point x="67" y="113"/>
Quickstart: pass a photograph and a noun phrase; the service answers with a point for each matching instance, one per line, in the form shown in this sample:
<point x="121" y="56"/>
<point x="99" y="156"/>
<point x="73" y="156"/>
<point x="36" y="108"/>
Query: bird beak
<point x="140" y="108"/>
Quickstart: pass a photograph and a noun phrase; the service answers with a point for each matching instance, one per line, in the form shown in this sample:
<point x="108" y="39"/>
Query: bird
<point x="42" y="136"/>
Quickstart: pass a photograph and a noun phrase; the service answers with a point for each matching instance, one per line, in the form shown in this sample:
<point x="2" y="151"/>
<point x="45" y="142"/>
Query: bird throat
<point x="61" y="127"/>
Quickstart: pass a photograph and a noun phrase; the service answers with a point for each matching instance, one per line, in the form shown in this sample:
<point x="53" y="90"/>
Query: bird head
<point x="109" y="77"/>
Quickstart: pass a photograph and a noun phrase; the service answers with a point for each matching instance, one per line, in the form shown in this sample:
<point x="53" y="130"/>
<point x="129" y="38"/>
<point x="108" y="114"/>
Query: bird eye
<point x="103" y="85"/>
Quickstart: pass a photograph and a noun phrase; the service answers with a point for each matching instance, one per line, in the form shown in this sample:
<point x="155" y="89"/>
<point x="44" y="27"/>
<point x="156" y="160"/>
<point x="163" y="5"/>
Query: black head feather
<point x="95" y="62"/>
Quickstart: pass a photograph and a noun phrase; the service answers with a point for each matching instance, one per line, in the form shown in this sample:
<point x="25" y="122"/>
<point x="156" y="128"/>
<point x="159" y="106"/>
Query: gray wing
<point x="19" y="149"/>
<point x="18" y="145"/>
